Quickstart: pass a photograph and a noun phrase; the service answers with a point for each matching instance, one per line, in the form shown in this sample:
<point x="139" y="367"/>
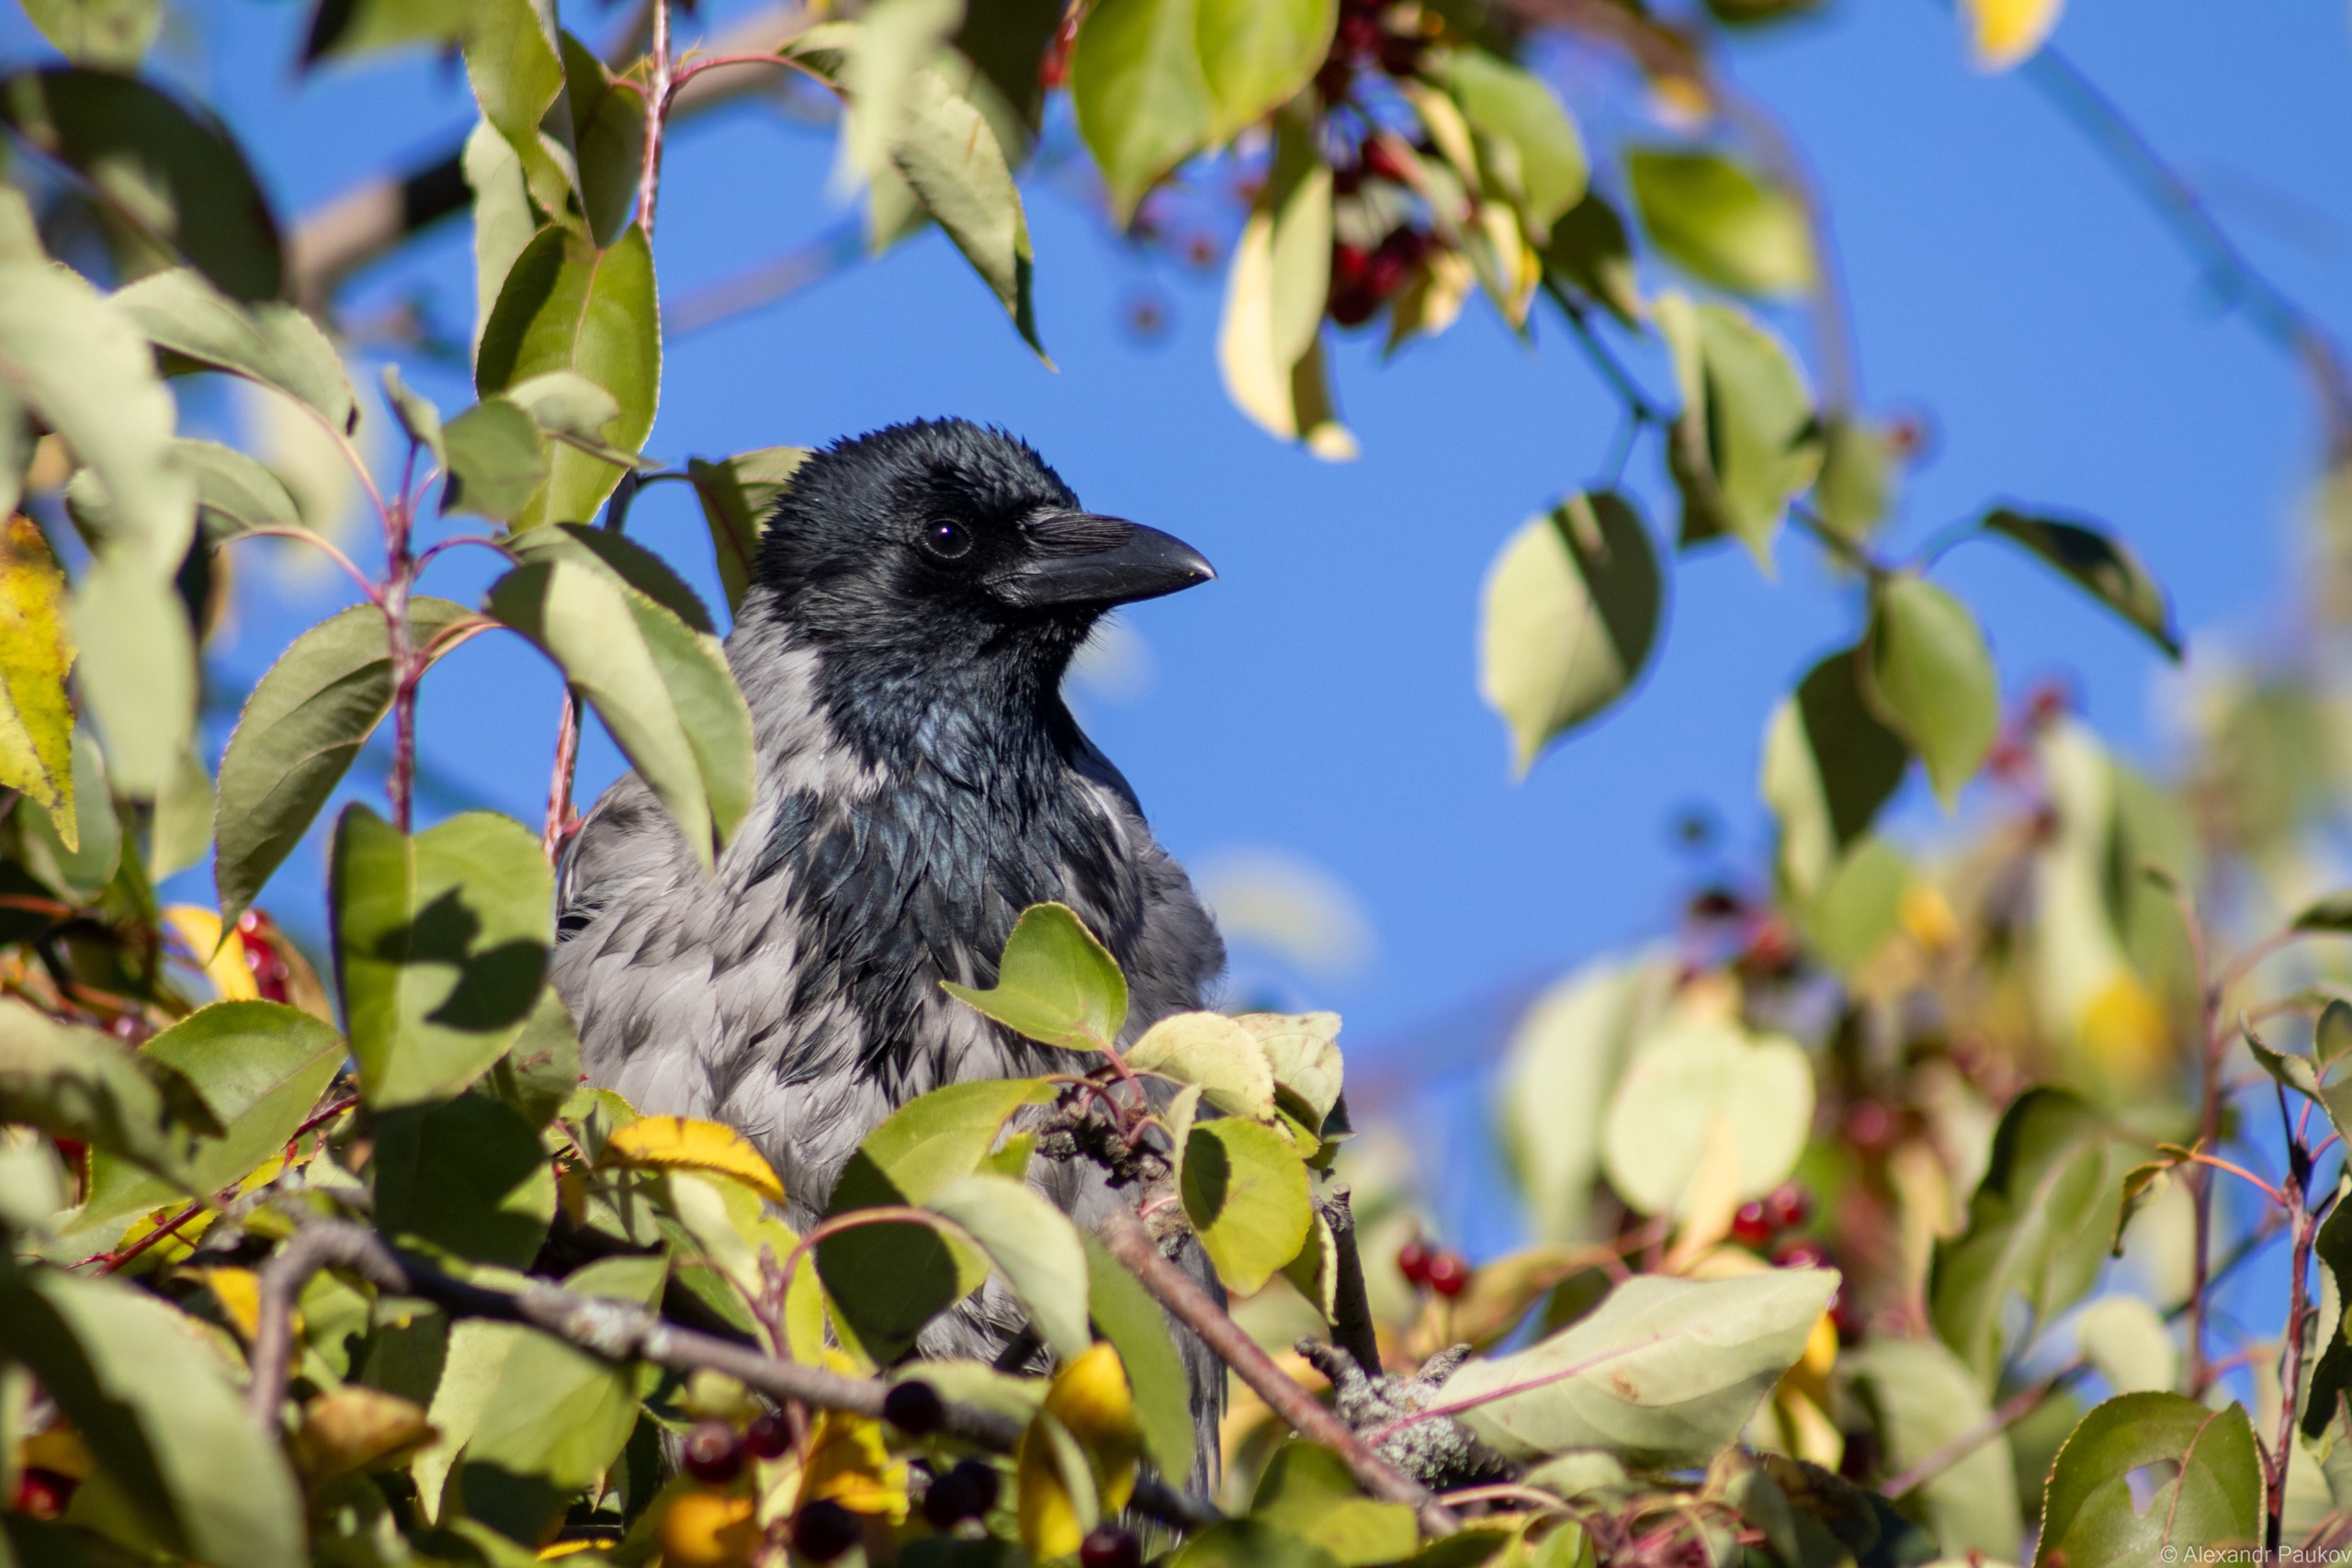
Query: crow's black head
<point x="954" y="546"/>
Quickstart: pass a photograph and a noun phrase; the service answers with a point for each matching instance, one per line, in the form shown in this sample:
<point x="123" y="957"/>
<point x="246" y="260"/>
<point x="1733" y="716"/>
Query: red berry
<point x="1801" y="1252"/>
<point x="1789" y="1205"/>
<point x="1108" y="1546"/>
<point x="967" y="1492"/>
<point x="713" y="1453"/>
<point x="1413" y="1261"/>
<point x="1359" y="36"/>
<point x="1751" y="1226"/>
<point x="769" y="1436"/>
<point x="913" y="1407"/>
<point x="823" y="1530"/>
<point x="1054" y="69"/>
<point x="1716" y="904"/>
<point x="43" y="1493"/>
<point x="1846" y="1319"/>
<point x="1449" y="1273"/>
<point x="1870" y="1126"/>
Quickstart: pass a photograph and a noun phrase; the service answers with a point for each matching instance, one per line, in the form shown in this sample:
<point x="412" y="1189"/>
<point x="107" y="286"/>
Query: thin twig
<point x="114" y="1260"/>
<point x="317" y="541"/>
<point x="2008" y="1414"/>
<point x="1128" y="1242"/>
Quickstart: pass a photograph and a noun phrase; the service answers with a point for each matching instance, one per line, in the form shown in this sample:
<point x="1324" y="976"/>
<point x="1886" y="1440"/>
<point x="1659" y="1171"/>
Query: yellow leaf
<point x="2124" y="1030"/>
<point x="681" y="1142"/>
<point x="1090" y="1400"/>
<point x="2006" y="33"/>
<point x="850" y="1464"/>
<point x="707" y="1530"/>
<point x="356" y="1427"/>
<point x="224" y="961"/>
<point x="36" y="721"/>
<point x="239" y="1292"/>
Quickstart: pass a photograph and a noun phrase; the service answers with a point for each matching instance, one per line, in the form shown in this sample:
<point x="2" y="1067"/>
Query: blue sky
<point x="1319" y="698"/>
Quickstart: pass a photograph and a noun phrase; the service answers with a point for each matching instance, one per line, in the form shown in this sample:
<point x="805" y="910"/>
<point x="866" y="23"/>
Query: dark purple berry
<point x="1108" y="1546"/>
<point x="967" y="1492"/>
<point x="769" y="1436"/>
<point x="913" y="1407"/>
<point x="823" y="1530"/>
<point x="713" y="1453"/>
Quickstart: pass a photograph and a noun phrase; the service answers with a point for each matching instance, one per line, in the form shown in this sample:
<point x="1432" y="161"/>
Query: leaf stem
<point x="317" y="541"/>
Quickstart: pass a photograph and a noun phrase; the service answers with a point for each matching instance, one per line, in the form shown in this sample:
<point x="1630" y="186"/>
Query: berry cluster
<point x="1760" y="1222"/>
<point x="42" y="1494"/>
<point x="1438" y="1268"/>
<point x="1373" y="39"/>
<point x="1373" y="35"/>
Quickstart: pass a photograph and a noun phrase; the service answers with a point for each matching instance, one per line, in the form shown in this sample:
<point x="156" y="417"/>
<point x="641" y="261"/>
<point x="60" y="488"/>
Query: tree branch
<point x="1352" y="1326"/>
<point x="613" y="1330"/>
<point x="1128" y="1242"/>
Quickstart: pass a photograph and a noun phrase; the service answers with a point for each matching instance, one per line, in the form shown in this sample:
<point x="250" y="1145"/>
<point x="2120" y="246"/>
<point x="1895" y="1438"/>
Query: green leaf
<point x="565" y="404"/>
<point x="2331" y="1037"/>
<point x="1663" y="1374"/>
<point x="77" y="1083"/>
<point x="419" y="416"/>
<point x="2128" y="1343"/>
<point x="661" y="684"/>
<point x="305" y="721"/>
<point x="887" y="1278"/>
<point x="1268" y="338"/>
<point x="882" y="50"/>
<point x="466" y="1175"/>
<point x="110" y="34"/>
<point x="233" y="494"/>
<point x="504" y="220"/>
<point x="1256" y="54"/>
<point x="1590" y="252"/>
<point x="260" y="1067"/>
<point x="1722" y="223"/>
<point x="1214" y="1052"/>
<point x="952" y="160"/>
<point x="1858" y="907"/>
<point x="2101" y="564"/>
<point x="2332" y="914"/>
<point x="608" y="130"/>
<point x="1307" y="1492"/>
<point x="441" y="942"/>
<point x="1033" y="1245"/>
<point x="1055" y="984"/>
<point x="1923" y="1398"/>
<point x="180" y="834"/>
<point x="736" y="495"/>
<point x="1560" y="1071"/>
<point x="1246" y="1544"/>
<point x="1246" y="1191"/>
<point x="2211" y="1502"/>
<point x="2324" y="1402"/>
<point x="2302" y="1074"/>
<point x="1132" y="1320"/>
<point x="618" y="553"/>
<point x="2039" y="1227"/>
<point x="137" y="671"/>
<point x="541" y="1069"/>
<point x="559" y="1416"/>
<point x="1570" y="614"/>
<point x="77" y="856"/>
<point x="1829" y="765"/>
<point x="180" y="1469"/>
<point x="1512" y="107"/>
<point x="514" y="63"/>
<point x="274" y="344"/>
<point x="1302" y="1050"/>
<point x="933" y="1140"/>
<point x="1691" y="1083"/>
<point x="1855" y="489"/>
<point x="35" y="719"/>
<point x="1930" y="676"/>
<point x="1142" y="101"/>
<point x="1745" y="441"/>
<point x="341" y="29"/>
<point x="169" y="177"/>
<point x="496" y="460"/>
<point x="568" y="306"/>
<point x="78" y="364"/>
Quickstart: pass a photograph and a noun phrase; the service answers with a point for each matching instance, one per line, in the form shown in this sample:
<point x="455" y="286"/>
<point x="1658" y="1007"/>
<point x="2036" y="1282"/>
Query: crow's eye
<point x="948" y="541"/>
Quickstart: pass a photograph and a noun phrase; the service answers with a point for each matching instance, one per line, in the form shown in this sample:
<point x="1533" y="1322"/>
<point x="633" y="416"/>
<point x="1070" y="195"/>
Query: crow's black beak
<point x="1077" y="559"/>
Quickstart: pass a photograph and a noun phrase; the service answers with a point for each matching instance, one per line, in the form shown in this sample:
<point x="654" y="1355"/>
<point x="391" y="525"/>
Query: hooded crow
<point x="919" y="595"/>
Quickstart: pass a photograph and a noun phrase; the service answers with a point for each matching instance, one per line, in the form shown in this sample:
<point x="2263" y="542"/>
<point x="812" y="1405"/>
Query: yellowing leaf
<point x="1090" y="1409"/>
<point x="849" y="1464"/>
<point x="675" y="1143"/>
<point x="239" y="1292"/>
<point x="224" y="959"/>
<point x="2003" y="33"/>
<point x="36" y="721"/>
